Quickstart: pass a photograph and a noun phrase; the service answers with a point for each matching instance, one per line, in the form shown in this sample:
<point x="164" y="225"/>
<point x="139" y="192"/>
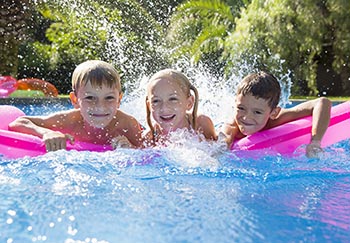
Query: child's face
<point x="252" y="114"/>
<point x="168" y="104"/>
<point x="98" y="105"/>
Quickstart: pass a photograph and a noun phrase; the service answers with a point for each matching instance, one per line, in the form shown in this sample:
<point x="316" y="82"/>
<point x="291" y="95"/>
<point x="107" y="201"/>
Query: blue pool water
<point x="183" y="193"/>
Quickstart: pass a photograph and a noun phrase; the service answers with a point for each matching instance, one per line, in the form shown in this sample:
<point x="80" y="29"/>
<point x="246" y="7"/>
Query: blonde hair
<point x="96" y="72"/>
<point x="185" y="85"/>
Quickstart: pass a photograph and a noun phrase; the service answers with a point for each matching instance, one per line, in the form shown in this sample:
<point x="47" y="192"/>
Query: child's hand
<point x="224" y="140"/>
<point x="121" y="142"/>
<point x="313" y="149"/>
<point x="56" y="140"/>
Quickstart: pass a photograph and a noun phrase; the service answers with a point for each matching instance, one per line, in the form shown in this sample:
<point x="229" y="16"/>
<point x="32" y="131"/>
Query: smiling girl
<point x="169" y="103"/>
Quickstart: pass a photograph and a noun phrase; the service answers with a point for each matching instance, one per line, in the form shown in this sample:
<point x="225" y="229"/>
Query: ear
<point x="190" y="102"/>
<point x="120" y="99"/>
<point x="74" y="100"/>
<point x="274" y="113"/>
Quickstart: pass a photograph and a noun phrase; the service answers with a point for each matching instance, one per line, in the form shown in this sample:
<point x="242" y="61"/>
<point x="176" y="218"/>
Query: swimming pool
<point x="191" y="192"/>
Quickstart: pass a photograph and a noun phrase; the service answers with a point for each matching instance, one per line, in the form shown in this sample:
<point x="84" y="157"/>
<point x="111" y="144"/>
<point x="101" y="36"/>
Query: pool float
<point x="17" y="145"/>
<point x="8" y="85"/>
<point x="47" y="88"/>
<point x="285" y="139"/>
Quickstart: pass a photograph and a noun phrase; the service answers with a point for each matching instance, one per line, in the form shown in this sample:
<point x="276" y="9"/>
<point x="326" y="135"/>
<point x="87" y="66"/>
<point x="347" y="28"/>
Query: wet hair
<point x="261" y="85"/>
<point x="96" y="72"/>
<point x="174" y="76"/>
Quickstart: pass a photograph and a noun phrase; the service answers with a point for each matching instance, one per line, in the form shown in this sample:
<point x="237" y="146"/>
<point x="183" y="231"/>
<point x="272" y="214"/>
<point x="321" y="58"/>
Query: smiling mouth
<point x="247" y="124"/>
<point x="167" y="118"/>
<point x="98" y="115"/>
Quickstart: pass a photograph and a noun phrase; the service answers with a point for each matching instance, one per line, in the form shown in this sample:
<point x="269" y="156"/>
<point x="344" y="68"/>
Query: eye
<point x="155" y="101"/>
<point x="89" y="98"/>
<point x="240" y="108"/>
<point x="110" y="98"/>
<point x="258" y="112"/>
<point x="173" y="99"/>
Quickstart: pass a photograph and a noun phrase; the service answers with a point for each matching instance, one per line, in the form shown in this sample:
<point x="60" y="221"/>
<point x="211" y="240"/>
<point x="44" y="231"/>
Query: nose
<point x="165" y="106"/>
<point x="100" y="104"/>
<point x="246" y="116"/>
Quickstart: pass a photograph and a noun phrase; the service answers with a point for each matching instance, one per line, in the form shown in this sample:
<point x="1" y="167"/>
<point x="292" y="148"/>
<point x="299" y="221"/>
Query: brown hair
<point x="261" y="85"/>
<point x="97" y="72"/>
<point x="186" y="86"/>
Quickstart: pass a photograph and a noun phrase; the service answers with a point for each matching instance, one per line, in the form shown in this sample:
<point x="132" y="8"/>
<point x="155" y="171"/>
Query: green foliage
<point x="70" y="39"/>
<point x="294" y="31"/>
<point x="124" y="33"/>
<point x="339" y="18"/>
<point x="199" y="27"/>
<point x="310" y="39"/>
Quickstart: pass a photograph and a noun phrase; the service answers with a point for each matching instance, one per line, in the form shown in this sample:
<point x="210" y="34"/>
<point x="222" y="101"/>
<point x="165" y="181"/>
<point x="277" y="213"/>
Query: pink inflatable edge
<point x="286" y="138"/>
<point x="16" y="145"/>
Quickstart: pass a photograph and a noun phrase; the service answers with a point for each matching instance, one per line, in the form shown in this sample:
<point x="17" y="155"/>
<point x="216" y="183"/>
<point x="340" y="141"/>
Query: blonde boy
<point x="96" y="117"/>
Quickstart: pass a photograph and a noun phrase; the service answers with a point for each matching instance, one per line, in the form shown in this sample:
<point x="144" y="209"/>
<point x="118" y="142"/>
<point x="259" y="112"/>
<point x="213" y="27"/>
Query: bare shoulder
<point x="126" y="119"/>
<point x="205" y="125"/>
<point x="204" y="120"/>
<point x="128" y="126"/>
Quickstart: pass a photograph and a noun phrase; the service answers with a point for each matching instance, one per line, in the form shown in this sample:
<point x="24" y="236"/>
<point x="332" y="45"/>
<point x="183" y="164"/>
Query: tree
<point x="308" y="39"/>
<point x="126" y="33"/>
<point x="12" y="32"/>
<point x="303" y="35"/>
<point x="198" y="29"/>
<point x="122" y="32"/>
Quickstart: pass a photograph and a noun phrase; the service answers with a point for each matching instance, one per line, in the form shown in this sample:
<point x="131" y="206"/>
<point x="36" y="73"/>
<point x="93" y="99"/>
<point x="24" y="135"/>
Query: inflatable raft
<point x="17" y="145"/>
<point x="284" y="139"/>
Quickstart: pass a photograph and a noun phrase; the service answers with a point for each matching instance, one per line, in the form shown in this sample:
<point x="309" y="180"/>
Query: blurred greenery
<point x="310" y="40"/>
<point x="307" y="40"/>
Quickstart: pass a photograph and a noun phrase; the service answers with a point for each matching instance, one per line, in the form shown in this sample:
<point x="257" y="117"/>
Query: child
<point x="257" y="109"/>
<point x="96" y="117"/>
<point x="169" y="101"/>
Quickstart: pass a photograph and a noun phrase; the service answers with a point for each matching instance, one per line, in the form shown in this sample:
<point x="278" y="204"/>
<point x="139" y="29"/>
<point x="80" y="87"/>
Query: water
<point x="190" y="192"/>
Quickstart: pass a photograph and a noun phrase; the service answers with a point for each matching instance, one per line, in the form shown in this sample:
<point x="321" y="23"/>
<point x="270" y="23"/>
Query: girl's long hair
<point x="186" y="86"/>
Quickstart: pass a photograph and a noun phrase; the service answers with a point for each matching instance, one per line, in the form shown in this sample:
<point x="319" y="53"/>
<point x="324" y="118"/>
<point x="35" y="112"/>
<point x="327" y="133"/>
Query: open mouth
<point x="167" y="118"/>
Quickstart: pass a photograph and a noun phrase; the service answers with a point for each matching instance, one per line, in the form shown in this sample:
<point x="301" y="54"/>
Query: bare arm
<point x="229" y="132"/>
<point x="37" y="126"/>
<point x="206" y="126"/>
<point x="43" y="127"/>
<point x="320" y="123"/>
<point x="320" y="118"/>
<point x="134" y="133"/>
<point x="320" y="110"/>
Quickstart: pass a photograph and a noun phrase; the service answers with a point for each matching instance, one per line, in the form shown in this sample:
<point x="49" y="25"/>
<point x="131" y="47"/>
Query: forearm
<point x="320" y="119"/>
<point x="25" y="125"/>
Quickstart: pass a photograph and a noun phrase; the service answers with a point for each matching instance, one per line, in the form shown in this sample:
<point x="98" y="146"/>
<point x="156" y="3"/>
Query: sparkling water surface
<point x="185" y="193"/>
